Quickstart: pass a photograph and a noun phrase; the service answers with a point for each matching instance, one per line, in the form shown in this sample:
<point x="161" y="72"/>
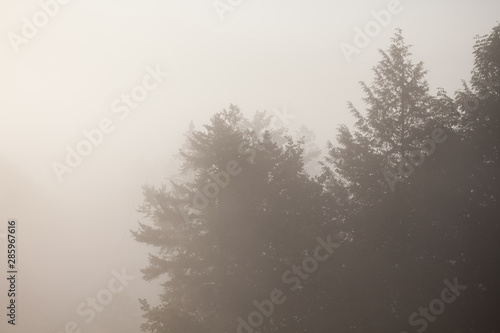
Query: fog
<point x="73" y="228"/>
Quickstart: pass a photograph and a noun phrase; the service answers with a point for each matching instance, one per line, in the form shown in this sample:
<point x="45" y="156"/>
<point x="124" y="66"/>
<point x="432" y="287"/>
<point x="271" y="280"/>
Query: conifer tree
<point x="225" y="238"/>
<point x="400" y="114"/>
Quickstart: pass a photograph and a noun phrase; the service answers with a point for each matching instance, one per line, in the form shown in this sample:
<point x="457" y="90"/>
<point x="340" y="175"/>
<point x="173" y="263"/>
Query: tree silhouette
<point x="412" y="193"/>
<point x="231" y="244"/>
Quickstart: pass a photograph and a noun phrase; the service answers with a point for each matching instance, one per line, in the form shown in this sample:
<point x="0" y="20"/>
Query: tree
<point x="224" y="239"/>
<point x="400" y="111"/>
<point x="390" y="262"/>
<point x="480" y="181"/>
<point x="312" y="153"/>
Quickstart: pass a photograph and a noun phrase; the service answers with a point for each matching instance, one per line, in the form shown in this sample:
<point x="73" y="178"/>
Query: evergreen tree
<point x="400" y="113"/>
<point x="225" y="238"/>
<point x="479" y="181"/>
<point x="389" y="263"/>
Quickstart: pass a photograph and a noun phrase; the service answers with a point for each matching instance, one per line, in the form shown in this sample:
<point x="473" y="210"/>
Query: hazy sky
<point x="264" y="55"/>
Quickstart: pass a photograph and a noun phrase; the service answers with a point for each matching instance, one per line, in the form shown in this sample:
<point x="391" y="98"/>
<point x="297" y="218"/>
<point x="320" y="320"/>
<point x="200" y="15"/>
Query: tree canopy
<point x="409" y="197"/>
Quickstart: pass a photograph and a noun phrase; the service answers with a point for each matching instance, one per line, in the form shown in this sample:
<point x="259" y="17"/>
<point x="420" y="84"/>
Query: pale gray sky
<point x="263" y="55"/>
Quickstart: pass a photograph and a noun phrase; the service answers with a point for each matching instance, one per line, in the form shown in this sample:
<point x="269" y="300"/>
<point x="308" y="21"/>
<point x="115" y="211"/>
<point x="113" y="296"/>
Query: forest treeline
<point x="396" y="230"/>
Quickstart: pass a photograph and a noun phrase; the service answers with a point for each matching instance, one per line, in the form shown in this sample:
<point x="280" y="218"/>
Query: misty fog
<point x="218" y="166"/>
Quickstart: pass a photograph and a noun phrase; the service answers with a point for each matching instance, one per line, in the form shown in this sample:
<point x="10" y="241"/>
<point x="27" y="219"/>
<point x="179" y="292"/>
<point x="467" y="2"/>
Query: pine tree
<point x="400" y="114"/>
<point x="387" y="255"/>
<point x="225" y="238"/>
<point x="479" y="181"/>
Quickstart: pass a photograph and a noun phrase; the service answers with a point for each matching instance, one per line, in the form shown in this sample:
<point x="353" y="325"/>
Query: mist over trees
<point x="409" y="197"/>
